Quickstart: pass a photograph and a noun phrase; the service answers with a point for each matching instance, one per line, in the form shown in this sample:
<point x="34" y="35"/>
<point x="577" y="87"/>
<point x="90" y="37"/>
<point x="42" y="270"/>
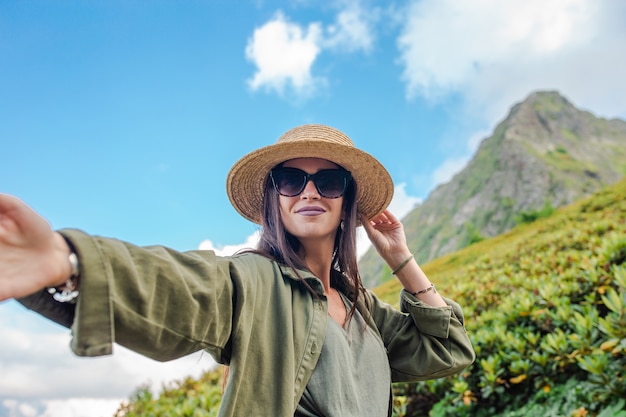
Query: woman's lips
<point x="310" y="211"/>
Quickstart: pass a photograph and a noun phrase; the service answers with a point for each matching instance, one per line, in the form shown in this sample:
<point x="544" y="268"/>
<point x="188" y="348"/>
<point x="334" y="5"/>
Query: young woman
<point x="291" y="318"/>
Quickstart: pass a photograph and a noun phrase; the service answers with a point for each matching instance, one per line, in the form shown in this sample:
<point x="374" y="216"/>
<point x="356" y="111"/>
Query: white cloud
<point x="352" y="30"/>
<point x="83" y="407"/>
<point x="284" y="52"/>
<point x="448" y="169"/>
<point x="67" y="407"/>
<point x="226" y="250"/>
<point x="41" y="377"/>
<point x="402" y="203"/>
<point x="24" y="354"/>
<point x="493" y="53"/>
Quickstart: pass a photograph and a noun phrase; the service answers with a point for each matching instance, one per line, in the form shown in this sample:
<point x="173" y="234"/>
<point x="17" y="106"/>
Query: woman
<point x="292" y="320"/>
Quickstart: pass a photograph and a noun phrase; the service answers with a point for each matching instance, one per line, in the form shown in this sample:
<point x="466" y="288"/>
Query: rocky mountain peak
<point x="545" y="151"/>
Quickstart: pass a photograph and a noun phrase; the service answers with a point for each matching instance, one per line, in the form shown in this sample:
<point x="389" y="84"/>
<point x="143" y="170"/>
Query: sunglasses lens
<point x="289" y="182"/>
<point x="331" y="183"/>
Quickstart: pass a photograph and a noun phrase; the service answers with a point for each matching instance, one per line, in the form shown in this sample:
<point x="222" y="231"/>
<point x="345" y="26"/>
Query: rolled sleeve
<point x="92" y="328"/>
<point x="422" y="341"/>
<point x="161" y="303"/>
<point x="433" y="321"/>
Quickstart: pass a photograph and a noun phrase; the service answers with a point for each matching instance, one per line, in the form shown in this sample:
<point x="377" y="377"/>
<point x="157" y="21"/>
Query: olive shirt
<point x="352" y="377"/>
<point x="247" y="311"/>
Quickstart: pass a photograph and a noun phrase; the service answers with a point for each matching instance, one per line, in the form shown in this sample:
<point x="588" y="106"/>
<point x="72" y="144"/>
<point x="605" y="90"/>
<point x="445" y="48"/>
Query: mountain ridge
<point x="544" y="152"/>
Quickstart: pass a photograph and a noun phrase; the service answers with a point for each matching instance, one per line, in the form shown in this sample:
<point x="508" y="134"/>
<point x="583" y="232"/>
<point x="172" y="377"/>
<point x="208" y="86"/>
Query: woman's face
<point x="309" y="215"/>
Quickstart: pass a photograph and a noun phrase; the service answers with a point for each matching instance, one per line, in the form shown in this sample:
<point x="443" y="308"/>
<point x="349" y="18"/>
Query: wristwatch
<point x="68" y="292"/>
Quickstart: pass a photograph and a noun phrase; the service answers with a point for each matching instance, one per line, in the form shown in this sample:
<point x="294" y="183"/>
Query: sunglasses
<point x="330" y="183"/>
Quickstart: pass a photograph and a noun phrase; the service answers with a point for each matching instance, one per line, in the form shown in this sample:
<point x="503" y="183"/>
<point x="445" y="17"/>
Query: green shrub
<point x="530" y="216"/>
<point x="186" y="398"/>
<point x="473" y="234"/>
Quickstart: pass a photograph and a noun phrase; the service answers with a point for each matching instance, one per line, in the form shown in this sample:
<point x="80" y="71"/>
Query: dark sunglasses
<point x="330" y="183"/>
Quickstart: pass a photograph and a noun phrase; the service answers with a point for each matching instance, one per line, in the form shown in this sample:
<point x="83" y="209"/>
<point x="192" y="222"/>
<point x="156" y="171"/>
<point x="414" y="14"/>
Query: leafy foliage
<point x="545" y="308"/>
<point x="533" y="215"/>
<point x="473" y="234"/>
<point x="186" y="398"/>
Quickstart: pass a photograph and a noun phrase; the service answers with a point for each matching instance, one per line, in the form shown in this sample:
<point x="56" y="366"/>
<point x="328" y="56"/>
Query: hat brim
<point x="246" y="180"/>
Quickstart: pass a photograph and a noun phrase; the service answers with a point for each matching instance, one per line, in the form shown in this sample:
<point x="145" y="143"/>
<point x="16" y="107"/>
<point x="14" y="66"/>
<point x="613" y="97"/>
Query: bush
<point x="526" y="217"/>
<point x="186" y="398"/>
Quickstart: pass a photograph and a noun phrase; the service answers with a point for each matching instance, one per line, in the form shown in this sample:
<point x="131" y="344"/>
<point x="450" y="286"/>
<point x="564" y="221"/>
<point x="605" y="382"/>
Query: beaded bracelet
<point x="425" y="290"/>
<point x="402" y="265"/>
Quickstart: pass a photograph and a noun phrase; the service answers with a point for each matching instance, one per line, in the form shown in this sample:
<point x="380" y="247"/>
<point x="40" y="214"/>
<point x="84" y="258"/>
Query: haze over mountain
<point x="545" y="153"/>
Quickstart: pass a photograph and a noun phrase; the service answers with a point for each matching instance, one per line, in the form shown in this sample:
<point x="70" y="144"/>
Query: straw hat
<point x="245" y="183"/>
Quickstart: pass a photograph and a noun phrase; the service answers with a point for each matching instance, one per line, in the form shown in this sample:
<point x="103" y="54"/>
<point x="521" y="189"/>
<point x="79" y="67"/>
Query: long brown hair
<point x="277" y="243"/>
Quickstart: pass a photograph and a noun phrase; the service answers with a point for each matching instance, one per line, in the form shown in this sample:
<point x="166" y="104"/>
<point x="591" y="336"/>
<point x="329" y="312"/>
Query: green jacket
<point x="247" y="311"/>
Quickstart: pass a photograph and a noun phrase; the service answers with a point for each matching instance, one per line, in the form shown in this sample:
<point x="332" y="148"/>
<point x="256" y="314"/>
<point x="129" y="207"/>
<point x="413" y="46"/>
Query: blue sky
<point x="122" y="118"/>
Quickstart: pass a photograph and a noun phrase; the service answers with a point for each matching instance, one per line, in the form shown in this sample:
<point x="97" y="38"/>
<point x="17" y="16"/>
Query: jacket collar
<point x="304" y="274"/>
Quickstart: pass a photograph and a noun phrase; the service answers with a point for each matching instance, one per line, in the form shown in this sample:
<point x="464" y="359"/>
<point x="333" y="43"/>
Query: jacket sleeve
<point x="158" y="302"/>
<point x="422" y="342"/>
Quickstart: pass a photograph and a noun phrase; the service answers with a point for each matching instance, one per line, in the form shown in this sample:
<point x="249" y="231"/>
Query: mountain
<point x="545" y="154"/>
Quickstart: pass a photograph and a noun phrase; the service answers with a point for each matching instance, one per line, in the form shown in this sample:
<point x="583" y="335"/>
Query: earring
<point x="341" y="225"/>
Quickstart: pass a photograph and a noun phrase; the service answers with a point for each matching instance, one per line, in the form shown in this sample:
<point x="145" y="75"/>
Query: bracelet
<point x="425" y="290"/>
<point x="69" y="291"/>
<point x="402" y="265"/>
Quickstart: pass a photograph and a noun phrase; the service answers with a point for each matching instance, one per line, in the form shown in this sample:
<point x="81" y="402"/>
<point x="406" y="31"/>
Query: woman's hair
<point x="277" y="243"/>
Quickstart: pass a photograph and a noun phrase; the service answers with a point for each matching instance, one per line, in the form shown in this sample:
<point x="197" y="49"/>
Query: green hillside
<point x="545" y="306"/>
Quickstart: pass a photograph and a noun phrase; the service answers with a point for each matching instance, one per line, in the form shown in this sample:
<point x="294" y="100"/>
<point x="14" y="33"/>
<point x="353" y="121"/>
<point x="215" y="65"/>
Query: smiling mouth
<point x="310" y="211"/>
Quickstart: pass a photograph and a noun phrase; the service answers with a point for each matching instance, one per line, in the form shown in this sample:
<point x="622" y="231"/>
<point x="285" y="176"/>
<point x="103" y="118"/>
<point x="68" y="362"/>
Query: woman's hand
<point x="32" y="255"/>
<point x="387" y="235"/>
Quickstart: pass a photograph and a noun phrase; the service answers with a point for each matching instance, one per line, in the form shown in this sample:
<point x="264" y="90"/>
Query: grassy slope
<point x="544" y="303"/>
<point x="450" y="270"/>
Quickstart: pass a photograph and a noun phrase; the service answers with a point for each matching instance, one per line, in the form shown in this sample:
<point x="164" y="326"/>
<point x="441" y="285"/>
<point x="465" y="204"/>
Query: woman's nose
<point x="310" y="191"/>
